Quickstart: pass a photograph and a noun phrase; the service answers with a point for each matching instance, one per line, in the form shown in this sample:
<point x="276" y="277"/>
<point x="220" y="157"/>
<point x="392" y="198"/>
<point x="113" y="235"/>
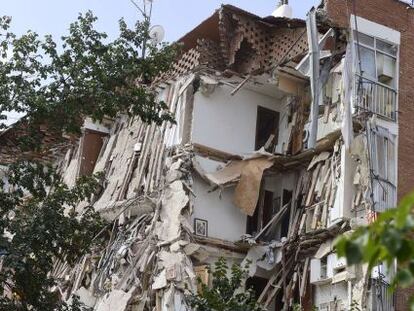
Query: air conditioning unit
<point x="385" y="67"/>
<point x="338" y="264"/>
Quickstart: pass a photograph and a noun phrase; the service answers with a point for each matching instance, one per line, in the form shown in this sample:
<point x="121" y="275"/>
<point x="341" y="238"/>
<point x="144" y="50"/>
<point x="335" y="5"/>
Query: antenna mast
<point x="146" y="11"/>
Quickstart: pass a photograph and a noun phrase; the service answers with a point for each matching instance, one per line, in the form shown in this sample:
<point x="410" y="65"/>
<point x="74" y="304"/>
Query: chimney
<point x="283" y="10"/>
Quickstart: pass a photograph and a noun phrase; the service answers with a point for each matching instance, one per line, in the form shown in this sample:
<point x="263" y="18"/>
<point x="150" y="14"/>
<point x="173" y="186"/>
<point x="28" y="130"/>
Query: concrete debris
<point x="116" y="300"/>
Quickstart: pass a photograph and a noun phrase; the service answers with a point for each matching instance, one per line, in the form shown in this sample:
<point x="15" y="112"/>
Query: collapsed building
<point x="286" y="136"/>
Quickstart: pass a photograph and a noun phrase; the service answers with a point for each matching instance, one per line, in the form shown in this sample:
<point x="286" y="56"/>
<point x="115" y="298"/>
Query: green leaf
<point x="404" y="278"/>
<point x="353" y="253"/>
<point x="392" y="240"/>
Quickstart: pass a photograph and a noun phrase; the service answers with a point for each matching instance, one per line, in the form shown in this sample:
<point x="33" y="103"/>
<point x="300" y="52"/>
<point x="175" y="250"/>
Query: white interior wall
<point x="228" y="123"/>
<point x="225" y="220"/>
<point x="276" y="183"/>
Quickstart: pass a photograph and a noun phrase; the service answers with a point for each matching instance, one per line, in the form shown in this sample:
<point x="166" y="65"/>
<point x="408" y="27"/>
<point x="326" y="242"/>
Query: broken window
<point x="257" y="284"/>
<point x="376" y="78"/>
<point x="284" y="230"/>
<point x="383" y="159"/>
<point x="263" y="214"/>
<point x="267" y="128"/>
<point x="91" y="146"/>
<point x="271" y="220"/>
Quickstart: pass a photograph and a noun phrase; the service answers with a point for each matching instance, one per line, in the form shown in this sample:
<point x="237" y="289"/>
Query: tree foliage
<point x="40" y="225"/>
<point x="86" y="74"/>
<point x="388" y="239"/>
<point x="227" y="293"/>
<point x="57" y="84"/>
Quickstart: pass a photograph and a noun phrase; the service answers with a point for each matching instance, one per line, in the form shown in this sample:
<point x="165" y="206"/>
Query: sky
<point x="176" y="16"/>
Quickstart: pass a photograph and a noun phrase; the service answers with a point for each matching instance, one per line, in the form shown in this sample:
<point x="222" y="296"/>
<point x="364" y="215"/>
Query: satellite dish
<point x="157" y="34"/>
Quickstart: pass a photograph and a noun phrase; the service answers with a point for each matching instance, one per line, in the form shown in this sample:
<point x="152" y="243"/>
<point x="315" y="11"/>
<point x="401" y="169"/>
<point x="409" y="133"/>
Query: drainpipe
<point x="314" y="65"/>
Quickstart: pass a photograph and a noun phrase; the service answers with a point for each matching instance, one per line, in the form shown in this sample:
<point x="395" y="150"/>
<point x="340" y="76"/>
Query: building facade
<point x="288" y="134"/>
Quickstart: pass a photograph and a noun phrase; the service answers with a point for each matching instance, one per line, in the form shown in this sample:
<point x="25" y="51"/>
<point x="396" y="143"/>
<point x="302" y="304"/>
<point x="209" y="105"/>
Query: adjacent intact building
<point x="288" y="133"/>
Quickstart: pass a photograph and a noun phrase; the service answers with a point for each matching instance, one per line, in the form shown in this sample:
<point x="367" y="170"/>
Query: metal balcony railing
<point x="385" y="195"/>
<point x="382" y="298"/>
<point x="376" y="98"/>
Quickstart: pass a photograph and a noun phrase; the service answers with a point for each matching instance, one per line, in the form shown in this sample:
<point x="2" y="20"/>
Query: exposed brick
<point x="396" y="15"/>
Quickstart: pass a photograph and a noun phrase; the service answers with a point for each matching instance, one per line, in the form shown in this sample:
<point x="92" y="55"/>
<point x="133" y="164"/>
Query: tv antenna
<point x="156" y="34"/>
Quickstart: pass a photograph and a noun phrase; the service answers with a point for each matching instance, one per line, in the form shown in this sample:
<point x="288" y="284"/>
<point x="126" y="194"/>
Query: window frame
<point x="357" y="76"/>
<point x="383" y="180"/>
<point x="356" y="51"/>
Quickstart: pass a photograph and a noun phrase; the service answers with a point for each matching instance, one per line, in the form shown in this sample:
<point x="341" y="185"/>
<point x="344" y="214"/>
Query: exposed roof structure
<point x="237" y="40"/>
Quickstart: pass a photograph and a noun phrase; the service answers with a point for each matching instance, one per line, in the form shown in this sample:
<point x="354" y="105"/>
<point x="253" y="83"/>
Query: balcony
<point x="381" y="298"/>
<point x="376" y="98"/>
<point x="385" y="195"/>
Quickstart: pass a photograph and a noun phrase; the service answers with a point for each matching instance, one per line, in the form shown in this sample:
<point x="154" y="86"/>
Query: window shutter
<point x="383" y="157"/>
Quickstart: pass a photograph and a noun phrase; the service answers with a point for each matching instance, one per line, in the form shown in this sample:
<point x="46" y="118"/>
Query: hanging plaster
<point x="116" y="300"/>
<point x="174" y="200"/>
<point x="248" y="175"/>
<point x="259" y="256"/>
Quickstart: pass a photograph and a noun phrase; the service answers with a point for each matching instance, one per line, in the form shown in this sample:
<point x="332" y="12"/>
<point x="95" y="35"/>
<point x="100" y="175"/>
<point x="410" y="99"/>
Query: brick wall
<point x="393" y="14"/>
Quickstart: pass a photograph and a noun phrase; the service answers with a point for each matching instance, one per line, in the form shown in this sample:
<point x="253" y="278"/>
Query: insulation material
<point x="258" y="256"/>
<point x="86" y="297"/>
<point x="248" y="175"/>
<point x="247" y="190"/>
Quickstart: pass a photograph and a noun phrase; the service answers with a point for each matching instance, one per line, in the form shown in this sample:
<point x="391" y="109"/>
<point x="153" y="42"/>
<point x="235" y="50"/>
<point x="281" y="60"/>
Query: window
<point x="267" y="128"/>
<point x="383" y="159"/>
<point x="91" y="145"/>
<point x="263" y="214"/>
<point x="257" y="284"/>
<point x="287" y="197"/>
<point x="376" y="75"/>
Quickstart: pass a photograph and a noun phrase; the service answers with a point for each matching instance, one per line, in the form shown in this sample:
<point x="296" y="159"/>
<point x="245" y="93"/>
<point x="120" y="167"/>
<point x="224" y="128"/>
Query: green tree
<point x="37" y="230"/>
<point x="227" y="293"/>
<point x="58" y="84"/>
<point x="86" y="75"/>
<point x="388" y="239"/>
